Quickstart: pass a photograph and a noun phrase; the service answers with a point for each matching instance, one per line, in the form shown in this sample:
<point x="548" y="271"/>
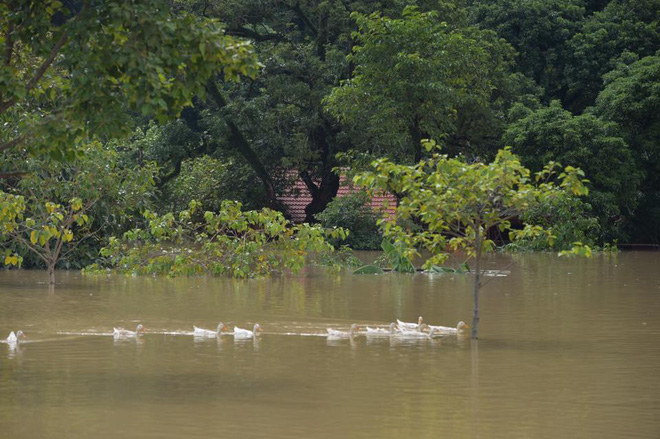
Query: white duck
<point x="200" y="332"/>
<point x="460" y="327"/>
<point x="245" y="333"/>
<point x="381" y="332"/>
<point x="408" y="325"/>
<point x="15" y="338"/>
<point x="422" y="333"/>
<point x="121" y="332"/>
<point x="334" y="333"/>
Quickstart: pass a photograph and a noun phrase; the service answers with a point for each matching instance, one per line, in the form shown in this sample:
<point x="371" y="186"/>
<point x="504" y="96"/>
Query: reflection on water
<point x="568" y="349"/>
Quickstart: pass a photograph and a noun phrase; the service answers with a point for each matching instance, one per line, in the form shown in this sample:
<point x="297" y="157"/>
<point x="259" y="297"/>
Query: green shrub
<point x="232" y="242"/>
<point x="209" y="182"/>
<point x="353" y="213"/>
<point x="568" y="218"/>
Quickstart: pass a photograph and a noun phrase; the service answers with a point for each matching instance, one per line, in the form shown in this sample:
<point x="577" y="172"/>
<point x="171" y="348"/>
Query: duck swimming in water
<point x="424" y="332"/>
<point x="460" y="327"/>
<point x="121" y="332"/>
<point x="246" y="333"/>
<point x="15" y="338"/>
<point x="408" y="325"/>
<point x="381" y="332"/>
<point x="334" y="333"/>
<point x="200" y="332"/>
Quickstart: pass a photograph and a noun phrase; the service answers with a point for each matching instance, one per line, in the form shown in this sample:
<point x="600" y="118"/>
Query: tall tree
<point x="538" y="30"/>
<point x="70" y="70"/>
<point x="623" y="26"/>
<point x="596" y="146"/>
<point x="631" y="98"/>
<point x="414" y="77"/>
<point x="277" y="122"/>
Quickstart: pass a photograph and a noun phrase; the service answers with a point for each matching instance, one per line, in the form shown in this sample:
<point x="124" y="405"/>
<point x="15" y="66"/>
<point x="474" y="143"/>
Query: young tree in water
<point x="459" y="202"/>
<point x="57" y="206"/>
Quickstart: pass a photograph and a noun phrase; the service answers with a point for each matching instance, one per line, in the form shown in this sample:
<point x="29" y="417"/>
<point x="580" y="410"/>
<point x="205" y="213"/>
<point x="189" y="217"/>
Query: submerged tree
<point x="459" y="202"/>
<point x="231" y="242"/>
<point x="57" y="206"/>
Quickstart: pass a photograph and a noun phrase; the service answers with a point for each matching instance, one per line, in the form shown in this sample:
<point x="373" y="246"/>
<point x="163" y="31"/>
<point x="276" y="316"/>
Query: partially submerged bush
<point x="352" y="212"/>
<point x="209" y="182"/>
<point x="230" y="242"/>
<point x="567" y="218"/>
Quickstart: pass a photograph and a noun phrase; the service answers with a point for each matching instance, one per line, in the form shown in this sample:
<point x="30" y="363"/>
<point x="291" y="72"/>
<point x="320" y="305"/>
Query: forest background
<point x="337" y="84"/>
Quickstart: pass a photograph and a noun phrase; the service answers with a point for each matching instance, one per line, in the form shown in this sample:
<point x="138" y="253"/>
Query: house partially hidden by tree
<point x="297" y="197"/>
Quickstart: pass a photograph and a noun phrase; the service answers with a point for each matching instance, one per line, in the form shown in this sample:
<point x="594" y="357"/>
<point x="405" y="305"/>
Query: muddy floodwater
<point x="569" y="348"/>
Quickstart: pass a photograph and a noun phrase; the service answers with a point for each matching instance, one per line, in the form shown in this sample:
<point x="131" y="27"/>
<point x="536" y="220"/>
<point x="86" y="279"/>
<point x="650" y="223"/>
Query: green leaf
<point x="369" y="269"/>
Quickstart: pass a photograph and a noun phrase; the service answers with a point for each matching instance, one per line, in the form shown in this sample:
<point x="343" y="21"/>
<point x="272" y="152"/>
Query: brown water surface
<point x="569" y="348"/>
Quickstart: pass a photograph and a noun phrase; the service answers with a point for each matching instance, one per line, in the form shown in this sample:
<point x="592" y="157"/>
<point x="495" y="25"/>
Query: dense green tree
<point x="623" y="26"/>
<point x="569" y="219"/>
<point x="538" y="30"/>
<point x="631" y="98"/>
<point x="413" y="76"/>
<point x="277" y="122"/>
<point x="352" y="212"/>
<point x="192" y="163"/>
<point x="596" y="146"/>
<point x="70" y="70"/>
<point x="211" y="181"/>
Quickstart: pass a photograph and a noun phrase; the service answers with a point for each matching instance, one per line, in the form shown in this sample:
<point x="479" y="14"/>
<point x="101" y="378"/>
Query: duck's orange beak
<point x="224" y="328"/>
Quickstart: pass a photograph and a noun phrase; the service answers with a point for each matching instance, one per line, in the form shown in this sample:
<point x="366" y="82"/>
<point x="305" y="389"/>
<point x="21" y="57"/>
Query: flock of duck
<point x="222" y="329"/>
<point x="399" y="330"/>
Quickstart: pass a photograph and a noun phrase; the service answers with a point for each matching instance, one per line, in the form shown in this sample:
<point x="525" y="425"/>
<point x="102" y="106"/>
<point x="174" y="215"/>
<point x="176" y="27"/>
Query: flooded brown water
<point x="568" y="349"/>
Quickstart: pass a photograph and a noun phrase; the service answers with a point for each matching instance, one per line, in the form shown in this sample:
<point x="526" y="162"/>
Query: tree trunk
<point x="321" y="195"/>
<point x="327" y="188"/>
<point x="477" y="286"/>
<point x="416" y="136"/>
<point x="238" y="141"/>
<point x="51" y="273"/>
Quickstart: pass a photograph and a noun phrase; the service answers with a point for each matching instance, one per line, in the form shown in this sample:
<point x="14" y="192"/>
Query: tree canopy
<point x="75" y="70"/>
<point x="413" y="76"/>
<point x="596" y="146"/>
<point x="61" y="210"/>
<point x="631" y="98"/>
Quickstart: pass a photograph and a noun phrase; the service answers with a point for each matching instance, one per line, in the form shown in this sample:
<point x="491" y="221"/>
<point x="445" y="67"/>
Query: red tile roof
<point x="297" y="197"/>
